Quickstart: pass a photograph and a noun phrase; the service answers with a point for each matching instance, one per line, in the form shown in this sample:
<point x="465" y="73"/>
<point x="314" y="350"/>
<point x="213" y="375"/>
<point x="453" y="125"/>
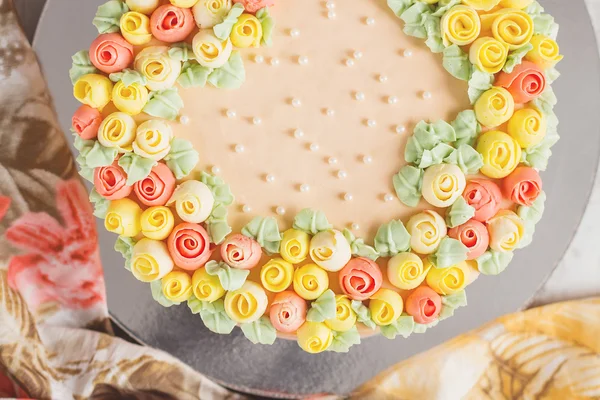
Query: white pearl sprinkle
<point x="274" y="61"/>
<point x="342" y="174"/>
<point x="355" y="226"/>
<point x="280" y="210"/>
<point x="215" y="170"/>
<point x="400" y="129"/>
<point x="370" y="21"/>
<point x="383" y="78"/>
<point x="332" y="160"/>
<point x="330" y="5"/>
<point x="298" y="133"/>
<point x="294" y="33"/>
<point x="348" y="197"/>
<point x="392" y="100"/>
<point x="303" y="60"/>
<point x="314" y="147"/>
<point x="296" y="103"/>
<point x="350" y="62"/>
<point x="331" y="14"/>
<point x="367" y="159"/>
<point x="330" y="112"/>
<point x="371" y="123"/>
<point x="304" y="188"/>
<point x="246" y="208"/>
<point x="231" y="114"/>
<point x="239" y="148"/>
<point x="259" y="59"/>
<point x="357" y="54"/>
<point x="270" y="178"/>
<point x="427" y="95"/>
<point x="388" y="197"/>
<point x="184" y="119"/>
<point x="408" y="53"/>
<point x="256" y="120"/>
<point x="360" y="96"/>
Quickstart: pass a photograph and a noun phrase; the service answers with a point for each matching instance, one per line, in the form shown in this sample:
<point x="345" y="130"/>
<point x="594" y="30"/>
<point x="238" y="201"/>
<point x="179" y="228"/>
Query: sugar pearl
<point x="388" y="197"/>
<point x="408" y="53"/>
<point x="427" y="95"/>
<point x="274" y="61"/>
<point x="239" y="148"/>
<point x="184" y="119"/>
<point x="231" y="114"/>
<point x="259" y="59"/>
<point x="400" y="129"/>
<point x="246" y="208"/>
<point x="355" y="226"/>
<point x="370" y="21"/>
<point x="215" y="170"/>
<point x="296" y="103"/>
<point x="371" y="123"/>
<point x="280" y="210"/>
<point x="383" y="78"/>
<point x="342" y="174"/>
<point x="256" y="120"/>
<point x="331" y="15"/>
<point x="392" y="100"/>
<point x="270" y="178"/>
<point x="298" y="133"/>
<point x="303" y="60"/>
<point x="294" y="33"/>
<point x="314" y="147"/>
<point x="330" y="5"/>
<point x="332" y="160"/>
<point x="330" y="112"/>
<point x="304" y="188"/>
<point x="349" y="62"/>
<point x="367" y="159"/>
<point x="357" y="54"/>
<point x="348" y="197"/>
<point x="360" y="96"/>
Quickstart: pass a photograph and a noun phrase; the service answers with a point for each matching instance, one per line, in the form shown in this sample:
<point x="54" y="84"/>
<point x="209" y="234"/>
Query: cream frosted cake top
<point x="317" y="172"/>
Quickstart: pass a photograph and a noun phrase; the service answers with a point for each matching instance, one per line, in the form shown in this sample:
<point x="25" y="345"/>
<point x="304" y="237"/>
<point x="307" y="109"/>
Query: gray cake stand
<point x="283" y="370"/>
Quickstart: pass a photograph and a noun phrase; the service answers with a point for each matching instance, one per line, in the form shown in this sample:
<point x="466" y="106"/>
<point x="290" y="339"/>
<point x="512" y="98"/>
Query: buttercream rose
<point x="310" y="281"/>
<point x="386" y="307"/>
<point x="150" y="260"/>
<point x="246" y="304"/>
<point x="447" y="281"/>
<point x="518" y="4"/>
<point x="252" y="6"/>
<point x="143" y="6"/>
<point x="501" y="154"/>
<point x="427" y="229"/>
<point x="123" y="218"/>
<point x="484" y="196"/>
<point x="294" y="246"/>
<point x="157" y="188"/>
<point x="206" y="287"/>
<point x="177" y="286"/>
<point x="93" y="90"/>
<point x="247" y="32"/>
<point x="193" y="200"/>
<point x="474" y="235"/>
<point x="314" y="337"/>
<point x="506" y="230"/>
<point x="545" y="53"/>
<point x="117" y="130"/>
<point x="525" y="83"/>
<point x="184" y="3"/>
<point x="111" y="182"/>
<point x="110" y="52"/>
<point x="288" y="312"/>
<point x="86" y="121"/>
<point x="277" y="275"/>
<point x="172" y="24"/>
<point x="330" y="250"/>
<point x="130" y="99"/>
<point x="514" y="28"/>
<point x="483" y="5"/>
<point x="488" y="54"/>
<point x="528" y="127"/>
<point x="443" y="184"/>
<point x="189" y="246"/>
<point x="209" y="13"/>
<point x="460" y="25"/>
<point x="360" y="278"/>
<point x="424" y="305"/>
<point x="240" y="251"/>
<point x="160" y="70"/>
<point x="135" y="28"/>
<point x="406" y="271"/>
<point x="153" y="139"/>
<point x="522" y="186"/>
<point x="345" y="316"/>
<point x="494" y="107"/>
<point x="157" y="222"/>
<point x="210" y="51"/>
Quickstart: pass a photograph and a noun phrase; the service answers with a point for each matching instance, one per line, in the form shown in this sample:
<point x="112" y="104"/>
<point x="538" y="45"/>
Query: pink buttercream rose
<point x="360" y="278"/>
<point x="111" y="182"/>
<point x="252" y="6"/>
<point x="522" y="186"/>
<point x="172" y="24"/>
<point x="474" y="235"/>
<point x="424" y="304"/>
<point x="241" y="252"/>
<point x="189" y="246"/>
<point x="485" y="196"/>
<point x="86" y="122"/>
<point x="288" y="312"/>
<point x="156" y="189"/>
<point x="110" y="53"/>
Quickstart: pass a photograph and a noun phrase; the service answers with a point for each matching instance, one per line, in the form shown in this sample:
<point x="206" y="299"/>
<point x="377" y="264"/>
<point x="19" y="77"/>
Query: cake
<point x="318" y="172"/>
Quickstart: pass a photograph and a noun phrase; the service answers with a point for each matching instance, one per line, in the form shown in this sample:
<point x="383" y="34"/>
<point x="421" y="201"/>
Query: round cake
<point x="317" y="172"/>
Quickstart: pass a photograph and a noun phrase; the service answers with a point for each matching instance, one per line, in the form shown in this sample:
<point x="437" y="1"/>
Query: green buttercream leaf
<point x="363" y="314"/>
<point x="342" y="341"/>
<point x="433" y="30"/>
<point x="414" y="19"/>
<point x="311" y="221"/>
<point x="459" y="213"/>
<point x="100" y="204"/>
<point x="527" y="238"/>
<point x="85" y="172"/>
<point x="443" y="6"/>
<point x="220" y="190"/>
<point x="493" y="262"/>
<point x="217" y="226"/>
<point x="109" y="15"/>
<point x="436" y="155"/>
<point x="182" y="158"/>
<point x="552" y="74"/>
<point x="544" y="24"/>
<point x="124" y="245"/>
<point x="81" y="66"/>
<point x="158" y="295"/>
<point x="425" y="137"/>
<point x="466" y="127"/>
<point x="422" y="328"/>
<point x="266" y="232"/>
<point x="479" y="82"/>
<point x="392" y="238"/>
<point x="537" y="157"/>
<point x="213" y="315"/>
<point x="268" y="25"/>
<point x="534" y="212"/>
<point x="128" y="77"/>
<point x="181" y="51"/>
<point x="534" y="9"/>
<point x="455" y="300"/>
<point x="260" y="332"/>
<point x="322" y="308"/>
<point x="231" y="75"/>
<point x="515" y="57"/>
<point x="223" y="30"/>
<point x="399" y="6"/>
<point x="403" y="326"/>
<point x="407" y="184"/>
<point x="231" y="278"/>
<point x="449" y="253"/>
<point x="359" y="248"/>
<point x="164" y="104"/>
<point x="194" y="75"/>
<point x="136" y="167"/>
<point x="446" y="312"/>
<point x="92" y="155"/>
<point x="457" y="63"/>
<point x="467" y="158"/>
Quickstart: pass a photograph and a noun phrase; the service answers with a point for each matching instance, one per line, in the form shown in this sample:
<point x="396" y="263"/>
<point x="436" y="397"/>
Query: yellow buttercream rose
<point x="512" y="27"/>
<point x="277" y="275"/>
<point x="184" y="3"/>
<point x="443" y="184"/>
<point x="506" y="231"/>
<point x="206" y="287"/>
<point x="135" y="28"/>
<point x="94" y="90"/>
<point x="130" y="99"/>
<point x="150" y="260"/>
<point x="528" y="127"/>
<point x="501" y="154"/>
<point x="386" y="307"/>
<point x="460" y="25"/>
<point x="406" y="271"/>
<point x="153" y="139"/>
<point x="247" y="32"/>
<point x="482" y="5"/>
<point x="447" y="281"/>
<point x="246" y="304"/>
<point x="123" y="218"/>
<point x="345" y="317"/>
<point x="494" y="107"/>
<point x="209" y="13"/>
<point x="294" y="246"/>
<point x="157" y="222"/>
<point x="210" y="51"/>
<point x="143" y="6"/>
<point x="545" y="52"/>
<point x="177" y="286"/>
<point x="160" y="70"/>
<point x="117" y="130"/>
<point x="427" y="229"/>
<point x="518" y="4"/>
<point x="488" y="54"/>
<point x="314" y="337"/>
<point x="310" y="281"/>
<point x="193" y="200"/>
